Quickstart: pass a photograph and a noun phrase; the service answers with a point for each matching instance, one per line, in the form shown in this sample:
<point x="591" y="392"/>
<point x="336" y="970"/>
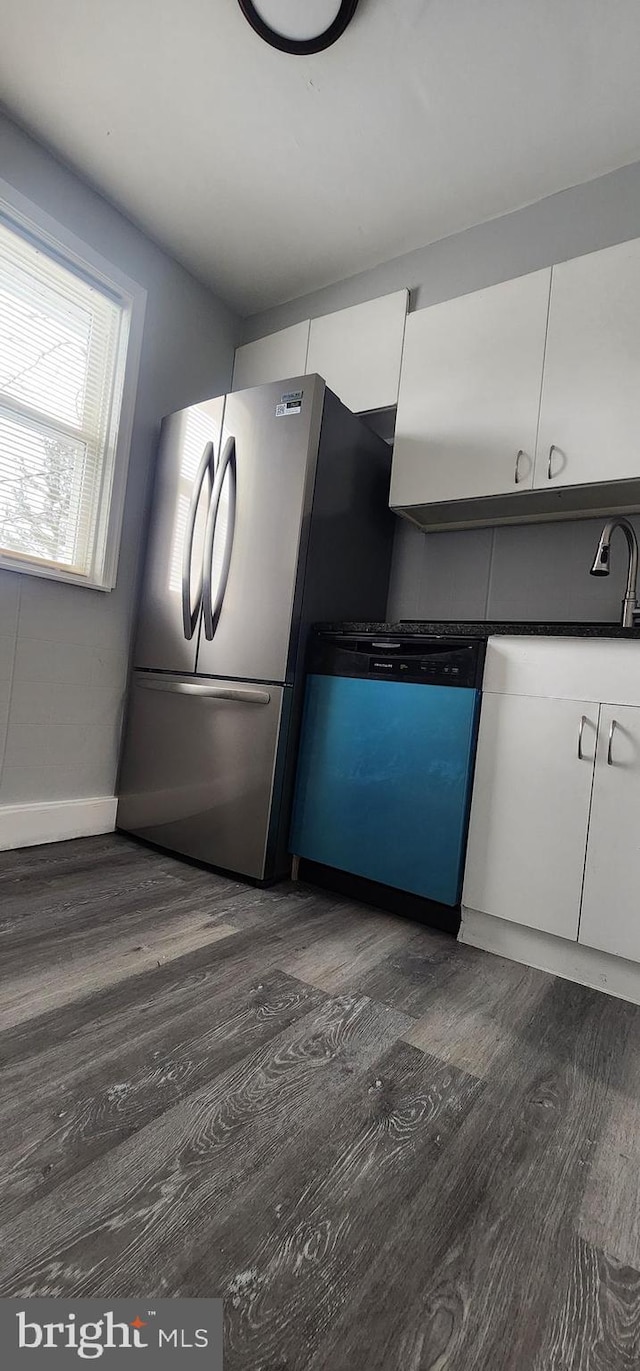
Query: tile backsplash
<point x="519" y="572"/>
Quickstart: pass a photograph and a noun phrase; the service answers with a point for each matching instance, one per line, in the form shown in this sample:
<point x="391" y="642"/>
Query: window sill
<point x="25" y="567"/>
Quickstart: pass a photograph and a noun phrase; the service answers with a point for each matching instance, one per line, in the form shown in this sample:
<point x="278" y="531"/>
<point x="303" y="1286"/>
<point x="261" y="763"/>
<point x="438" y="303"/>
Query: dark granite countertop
<point x="472" y="628"/>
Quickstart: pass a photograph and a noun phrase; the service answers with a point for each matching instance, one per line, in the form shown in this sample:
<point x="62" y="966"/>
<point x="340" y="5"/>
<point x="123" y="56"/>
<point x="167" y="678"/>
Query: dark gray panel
<point x="351" y="535"/>
<point x="382" y="421"/>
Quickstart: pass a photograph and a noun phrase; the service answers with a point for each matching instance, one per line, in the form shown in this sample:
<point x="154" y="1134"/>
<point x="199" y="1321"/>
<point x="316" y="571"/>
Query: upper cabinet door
<point x="358" y="351"/>
<point x="470" y="394"/>
<point x="610" y="915"/>
<point x="274" y="358"/>
<point x="590" y="413"/>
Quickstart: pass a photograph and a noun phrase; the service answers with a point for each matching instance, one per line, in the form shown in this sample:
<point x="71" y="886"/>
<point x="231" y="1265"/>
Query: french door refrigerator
<point x="270" y="512"/>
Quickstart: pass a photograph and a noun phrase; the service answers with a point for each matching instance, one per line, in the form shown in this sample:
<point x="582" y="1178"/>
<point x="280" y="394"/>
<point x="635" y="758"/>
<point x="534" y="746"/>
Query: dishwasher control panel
<point x="426" y="661"/>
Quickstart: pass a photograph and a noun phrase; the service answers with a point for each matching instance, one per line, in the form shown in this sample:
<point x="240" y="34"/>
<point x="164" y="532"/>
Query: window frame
<point x="35" y="223"/>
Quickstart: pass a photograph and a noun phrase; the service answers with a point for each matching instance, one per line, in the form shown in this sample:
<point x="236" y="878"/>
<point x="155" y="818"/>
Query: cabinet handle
<point x="610" y="742"/>
<point x="580" y="735"/>
<point x="554" y="448"/>
<point x="516" y="474"/>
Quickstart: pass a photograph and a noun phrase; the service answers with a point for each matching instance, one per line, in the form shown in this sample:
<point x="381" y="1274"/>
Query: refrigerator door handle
<point x="238" y="694"/>
<point x="211" y="611"/>
<point x="189" y="615"/>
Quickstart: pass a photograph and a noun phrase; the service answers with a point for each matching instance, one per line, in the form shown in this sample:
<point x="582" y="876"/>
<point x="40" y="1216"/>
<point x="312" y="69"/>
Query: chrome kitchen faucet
<point x="630" y="607"/>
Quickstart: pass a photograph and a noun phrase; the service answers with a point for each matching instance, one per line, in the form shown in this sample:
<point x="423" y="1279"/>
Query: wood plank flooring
<point x="382" y="1149"/>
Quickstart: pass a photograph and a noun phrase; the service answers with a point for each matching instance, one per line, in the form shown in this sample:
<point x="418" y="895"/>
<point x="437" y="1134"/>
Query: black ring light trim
<point x="300" y="47"/>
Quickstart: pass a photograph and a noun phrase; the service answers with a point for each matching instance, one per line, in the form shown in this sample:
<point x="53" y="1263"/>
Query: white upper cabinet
<point x="273" y="358"/>
<point x="610" y="904"/>
<point x="590" y="413"/>
<point x="358" y="351"/>
<point x="470" y="394"/>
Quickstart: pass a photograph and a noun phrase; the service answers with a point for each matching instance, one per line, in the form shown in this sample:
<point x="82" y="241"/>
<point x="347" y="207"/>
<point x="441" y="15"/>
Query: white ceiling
<point x="270" y="175"/>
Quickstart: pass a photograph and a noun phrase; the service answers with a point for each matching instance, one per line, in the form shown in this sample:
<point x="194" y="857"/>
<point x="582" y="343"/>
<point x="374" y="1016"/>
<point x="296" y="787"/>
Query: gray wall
<point x="63" y="649"/>
<point x="528" y="572"/>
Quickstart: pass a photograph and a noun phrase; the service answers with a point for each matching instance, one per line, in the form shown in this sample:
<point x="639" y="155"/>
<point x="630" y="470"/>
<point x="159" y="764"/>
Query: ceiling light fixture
<point x="327" y="24"/>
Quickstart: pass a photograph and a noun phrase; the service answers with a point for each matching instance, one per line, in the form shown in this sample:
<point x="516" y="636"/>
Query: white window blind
<point x="63" y="340"/>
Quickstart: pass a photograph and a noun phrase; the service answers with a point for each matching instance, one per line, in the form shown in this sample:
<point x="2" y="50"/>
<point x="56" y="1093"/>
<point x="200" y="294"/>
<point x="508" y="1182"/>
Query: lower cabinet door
<point x="611" y="903"/>
<point x="530" y="811"/>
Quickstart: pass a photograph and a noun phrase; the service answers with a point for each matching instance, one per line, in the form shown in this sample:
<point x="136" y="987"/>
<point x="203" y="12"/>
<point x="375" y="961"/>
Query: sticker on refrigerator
<point x="289" y="404"/>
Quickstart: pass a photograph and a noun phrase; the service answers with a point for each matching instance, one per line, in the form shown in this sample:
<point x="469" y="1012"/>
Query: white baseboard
<point x="560" y="956"/>
<point x="55" y="821"/>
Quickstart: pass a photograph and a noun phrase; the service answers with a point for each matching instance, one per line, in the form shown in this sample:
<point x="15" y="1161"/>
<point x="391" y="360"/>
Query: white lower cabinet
<point x="530" y="810"/>
<point x="554" y="832"/>
<point x="551" y="875"/>
<point x="611" y="900"/>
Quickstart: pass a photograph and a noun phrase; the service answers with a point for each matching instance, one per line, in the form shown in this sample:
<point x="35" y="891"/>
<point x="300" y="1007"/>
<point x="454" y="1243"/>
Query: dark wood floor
<point x="386" y="1151"/>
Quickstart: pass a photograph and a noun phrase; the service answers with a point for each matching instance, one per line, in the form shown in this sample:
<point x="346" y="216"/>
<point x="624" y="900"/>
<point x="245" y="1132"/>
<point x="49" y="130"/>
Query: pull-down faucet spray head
<point x="630" y="610"/>
<point x="601" y="560"/>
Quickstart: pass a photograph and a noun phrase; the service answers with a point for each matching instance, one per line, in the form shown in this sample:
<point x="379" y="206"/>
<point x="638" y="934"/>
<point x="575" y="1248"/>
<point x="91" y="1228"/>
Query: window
<point x="63" y="347"/>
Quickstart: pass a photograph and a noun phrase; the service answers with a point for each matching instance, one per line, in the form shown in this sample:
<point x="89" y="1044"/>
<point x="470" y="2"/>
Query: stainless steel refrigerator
<point x="270" y="512"/>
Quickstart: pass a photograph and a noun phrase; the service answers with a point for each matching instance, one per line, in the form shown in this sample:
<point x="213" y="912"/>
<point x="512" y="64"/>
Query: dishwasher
<point x="385" y="767"/>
